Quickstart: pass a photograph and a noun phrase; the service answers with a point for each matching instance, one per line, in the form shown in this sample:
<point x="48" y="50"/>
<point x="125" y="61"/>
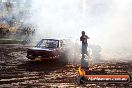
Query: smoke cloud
<point x="107" y="23"/>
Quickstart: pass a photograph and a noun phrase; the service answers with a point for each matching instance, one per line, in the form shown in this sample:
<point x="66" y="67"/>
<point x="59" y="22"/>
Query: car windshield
<point x="48" y="43"/>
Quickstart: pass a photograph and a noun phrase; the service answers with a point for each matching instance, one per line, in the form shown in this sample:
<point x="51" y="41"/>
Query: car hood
<point x="41" y="49"/>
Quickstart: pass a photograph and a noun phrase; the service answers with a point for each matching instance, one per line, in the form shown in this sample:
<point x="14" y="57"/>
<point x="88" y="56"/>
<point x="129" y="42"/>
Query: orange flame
<point x="81" y="71"/>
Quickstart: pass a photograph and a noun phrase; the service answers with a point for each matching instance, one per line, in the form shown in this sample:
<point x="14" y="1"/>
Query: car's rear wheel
<point x="63" y="58"/>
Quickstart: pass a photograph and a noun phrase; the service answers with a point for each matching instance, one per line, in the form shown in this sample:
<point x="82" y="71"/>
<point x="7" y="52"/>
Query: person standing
<point x="83" y="39"/>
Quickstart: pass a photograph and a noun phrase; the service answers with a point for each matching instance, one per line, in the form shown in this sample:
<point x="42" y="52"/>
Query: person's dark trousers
<point x="84" y="63"/>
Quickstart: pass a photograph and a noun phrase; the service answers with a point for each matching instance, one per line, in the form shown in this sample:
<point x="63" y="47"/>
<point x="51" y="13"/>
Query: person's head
<point x="83" y="32"/>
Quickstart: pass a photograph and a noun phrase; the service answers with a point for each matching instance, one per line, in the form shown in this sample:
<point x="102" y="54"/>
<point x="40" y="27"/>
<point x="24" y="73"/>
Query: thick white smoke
<point x="106" y="22"/>
<point x="57" y="18"/>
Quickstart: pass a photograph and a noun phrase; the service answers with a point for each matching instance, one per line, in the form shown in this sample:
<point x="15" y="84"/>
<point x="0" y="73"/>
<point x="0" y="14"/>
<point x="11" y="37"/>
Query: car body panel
<point x="45" y="49"/>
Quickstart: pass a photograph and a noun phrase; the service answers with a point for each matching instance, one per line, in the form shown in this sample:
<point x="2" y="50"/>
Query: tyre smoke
<point x="107" y="23"/>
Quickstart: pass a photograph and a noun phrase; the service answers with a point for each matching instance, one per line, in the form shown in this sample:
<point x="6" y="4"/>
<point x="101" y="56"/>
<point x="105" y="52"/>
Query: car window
<point x="49" y="44"/>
